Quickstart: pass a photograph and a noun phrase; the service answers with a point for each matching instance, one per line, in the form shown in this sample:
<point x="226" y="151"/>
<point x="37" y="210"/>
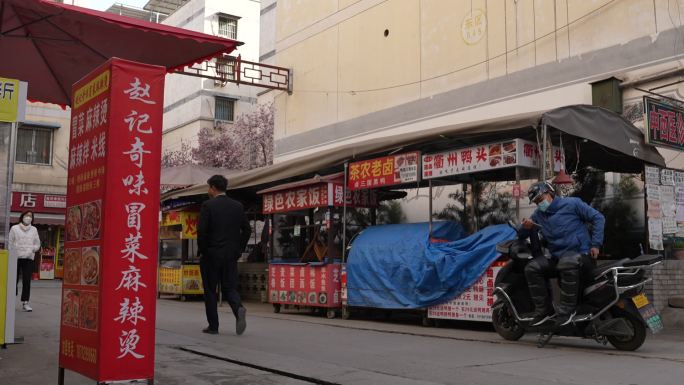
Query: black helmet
<point x="539" y="188"/>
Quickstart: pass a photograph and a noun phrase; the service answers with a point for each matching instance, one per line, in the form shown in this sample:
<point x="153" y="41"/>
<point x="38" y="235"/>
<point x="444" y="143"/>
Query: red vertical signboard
<point x="109" y="290"/>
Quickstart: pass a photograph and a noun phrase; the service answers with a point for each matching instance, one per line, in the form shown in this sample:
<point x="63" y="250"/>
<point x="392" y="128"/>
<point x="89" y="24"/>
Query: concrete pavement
<point x="300" y="348"/>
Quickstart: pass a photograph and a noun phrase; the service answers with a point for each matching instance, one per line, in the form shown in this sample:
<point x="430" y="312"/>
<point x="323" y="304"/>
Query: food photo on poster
<point x="90" y="265"/>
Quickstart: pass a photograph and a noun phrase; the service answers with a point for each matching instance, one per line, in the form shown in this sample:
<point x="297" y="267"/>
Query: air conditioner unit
<point x="220" y="125"/>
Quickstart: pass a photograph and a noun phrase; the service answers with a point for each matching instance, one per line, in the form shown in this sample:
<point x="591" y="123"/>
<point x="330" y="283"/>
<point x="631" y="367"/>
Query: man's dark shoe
<point x="209" y="331"/>
<point x="241" y="321"/>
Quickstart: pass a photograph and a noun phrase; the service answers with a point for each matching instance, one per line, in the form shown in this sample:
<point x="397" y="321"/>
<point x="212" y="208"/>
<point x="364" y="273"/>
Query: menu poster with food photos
<point x="485" y="157"/>
<point x="110" y="251"/>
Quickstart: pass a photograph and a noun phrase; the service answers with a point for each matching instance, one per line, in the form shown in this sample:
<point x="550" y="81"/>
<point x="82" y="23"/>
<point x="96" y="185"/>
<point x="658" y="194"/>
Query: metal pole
<point x="344" y="213"/>
<point x="60" y="376"/>
<point x="517" y="200"/>
<point x="271" y="236"/>
<point x="474" y="192"/>
<point x="331" y="229"/>
<point x="430" y="209"/>
<point x="465" y="207"/>
<point x="11" y="154"/>
<point x="543" y="176"/>
<point x="12" y="262"/>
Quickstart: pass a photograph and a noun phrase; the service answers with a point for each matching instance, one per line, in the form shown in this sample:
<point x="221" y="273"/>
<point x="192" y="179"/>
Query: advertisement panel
<point x="305" y="284"/>
<point x="110" y="267"/>
<point x="387" y="171"/>
<point x="11" y="102"/>
<point x="474" y="304"/>
<point x="485" y="157"/>
<point x="37" y="202"/>
<point x="665" y="124"/>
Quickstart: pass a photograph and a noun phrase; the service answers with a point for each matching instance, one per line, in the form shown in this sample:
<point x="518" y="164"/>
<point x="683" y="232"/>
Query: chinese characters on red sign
<point x="38" y="203"/>
<point x="665" y="124"/>
<point x="109" y="291"/>
<point x="474" y="304"/>
<point x="318" y="195"/>
<point x="387" y="171"/>
<point x="516" y="152"/>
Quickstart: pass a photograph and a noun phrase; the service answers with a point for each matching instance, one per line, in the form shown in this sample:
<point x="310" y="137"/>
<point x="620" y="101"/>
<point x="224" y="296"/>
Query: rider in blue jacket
<point x="571" y="228"/>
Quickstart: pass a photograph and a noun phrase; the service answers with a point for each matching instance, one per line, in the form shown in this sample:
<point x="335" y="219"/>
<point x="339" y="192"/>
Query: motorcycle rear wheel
<point x="629" y="343"/>
<point x="505" y="324"/>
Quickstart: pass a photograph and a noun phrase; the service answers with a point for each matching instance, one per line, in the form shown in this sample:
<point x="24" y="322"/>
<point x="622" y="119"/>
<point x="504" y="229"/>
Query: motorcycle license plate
<point x="648" y="312"/>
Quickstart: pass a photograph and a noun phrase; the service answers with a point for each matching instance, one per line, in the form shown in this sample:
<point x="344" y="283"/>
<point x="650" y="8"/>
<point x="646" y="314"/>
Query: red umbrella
<point x="52" y="45"/>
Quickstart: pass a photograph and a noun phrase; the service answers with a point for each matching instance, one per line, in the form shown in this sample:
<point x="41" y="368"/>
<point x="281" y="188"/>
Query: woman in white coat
<point x="23" y="245"/>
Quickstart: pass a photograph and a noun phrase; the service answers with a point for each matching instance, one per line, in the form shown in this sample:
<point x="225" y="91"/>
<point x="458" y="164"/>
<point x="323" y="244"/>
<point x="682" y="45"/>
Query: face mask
<point x="27" y="220"/>
<point x="543" y="205"/>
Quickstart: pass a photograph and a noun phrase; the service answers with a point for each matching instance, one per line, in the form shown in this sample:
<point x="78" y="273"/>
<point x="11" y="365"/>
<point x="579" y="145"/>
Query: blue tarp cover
<point x="397" y="267"/>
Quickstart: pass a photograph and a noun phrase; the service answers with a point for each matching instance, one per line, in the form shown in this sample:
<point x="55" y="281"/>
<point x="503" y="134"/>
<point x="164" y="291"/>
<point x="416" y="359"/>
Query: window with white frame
<point x="224" y="109"/>
<point x="227" y="27"/>
<point x="34" y="145"/>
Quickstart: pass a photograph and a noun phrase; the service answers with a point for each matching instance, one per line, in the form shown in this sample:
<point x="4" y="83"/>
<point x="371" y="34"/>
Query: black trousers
<point x="25" y="269"/>
<point x="224" y="271"/>
<point x="567" y="268"/>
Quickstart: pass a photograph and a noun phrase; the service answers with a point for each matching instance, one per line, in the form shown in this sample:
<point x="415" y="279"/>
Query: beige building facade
<point x="365" y="69"/>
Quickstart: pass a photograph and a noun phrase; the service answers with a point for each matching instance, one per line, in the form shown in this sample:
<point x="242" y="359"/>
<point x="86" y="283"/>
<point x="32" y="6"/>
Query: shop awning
<point x="189" y="175"/>
<point x="319" y="161"/>
<point x="337" y="177"/>
<point x="603" y="127"/>
<point x="52" y="45"/>
<point x="40" y="219"/>
<point x="603" y="130"/>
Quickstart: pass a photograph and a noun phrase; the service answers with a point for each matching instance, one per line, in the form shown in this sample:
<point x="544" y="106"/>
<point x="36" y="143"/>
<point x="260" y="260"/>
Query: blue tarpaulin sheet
<point x="397" y="267"/>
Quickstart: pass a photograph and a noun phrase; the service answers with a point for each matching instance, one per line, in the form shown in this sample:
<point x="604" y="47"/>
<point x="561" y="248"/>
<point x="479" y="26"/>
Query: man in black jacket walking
<point x="222" y="235"/>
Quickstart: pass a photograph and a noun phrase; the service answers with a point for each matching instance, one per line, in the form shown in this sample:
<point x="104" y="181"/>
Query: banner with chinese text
<point x="317" y="195"/>
<point x="386" y="171"/>
<point x="314" y="285"/>
<point x="38" y="202"/>
<point x="474" y="304"/>
<point x="110" y="257"/>
<point x="188" y="220"/>
<point x="492" y="156"/>
<point x="664" y="124"/>
<point x="12" y="100"/>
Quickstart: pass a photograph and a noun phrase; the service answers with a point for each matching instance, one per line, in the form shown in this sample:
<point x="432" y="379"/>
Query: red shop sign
<point x="387" y="171"/>
<point x="38" y="203"/>
<point x="110" y="269"/>
<point x="296" y="199"/>
<point x="317" y="195"/>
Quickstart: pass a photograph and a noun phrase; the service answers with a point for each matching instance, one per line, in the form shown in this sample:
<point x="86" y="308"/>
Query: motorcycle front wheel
<point x="505" y="324"/>
<point x="629" y="343"/>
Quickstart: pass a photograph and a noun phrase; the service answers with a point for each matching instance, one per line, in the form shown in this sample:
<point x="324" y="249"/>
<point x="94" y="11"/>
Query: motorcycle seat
<point x="599" y="270"/>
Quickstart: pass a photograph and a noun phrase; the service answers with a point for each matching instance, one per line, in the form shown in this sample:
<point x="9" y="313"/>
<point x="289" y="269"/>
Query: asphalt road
<point x="303" y="348"/>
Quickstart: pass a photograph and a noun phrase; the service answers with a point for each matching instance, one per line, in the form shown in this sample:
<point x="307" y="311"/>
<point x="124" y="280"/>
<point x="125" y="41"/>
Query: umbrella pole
<point x="544" y="151"/>
<point x="430" y="209"/>
<point x="344" y="213"/>
<point x="517" y="200"/>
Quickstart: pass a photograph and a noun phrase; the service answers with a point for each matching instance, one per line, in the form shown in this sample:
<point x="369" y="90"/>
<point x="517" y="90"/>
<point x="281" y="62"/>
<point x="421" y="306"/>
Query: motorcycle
<point x="612" y="306"/>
